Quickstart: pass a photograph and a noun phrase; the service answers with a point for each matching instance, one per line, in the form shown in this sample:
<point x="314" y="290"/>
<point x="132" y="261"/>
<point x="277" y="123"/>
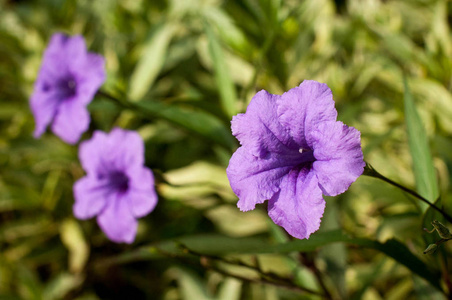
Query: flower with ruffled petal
<point x="67" y="81"/>
<point x="292" y="151"/>
<point x="117" y="188"/>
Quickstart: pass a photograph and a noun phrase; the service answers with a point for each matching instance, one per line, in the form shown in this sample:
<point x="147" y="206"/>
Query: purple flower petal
<point x="255" y="180"/>
<point x="126" y="147"/>
<point x="117" y="221"/>
<point x="68" y="79"/>
<point x="70" y="122"/>
<point x="302" y="108"/>
<point x="298" y="206"/>
<point x="118" y="178"/>
<point x="142" y="196"/>
<point x="257" y="130"/>
<point x="293" y="150"/>
<point x="90" y="83"/>
<point x="339" y="158"/>
<point x="75" y="47"/>
<point x="91" y="152"/>
<point x="43" y="109"/>
<point x="90" y="197"/>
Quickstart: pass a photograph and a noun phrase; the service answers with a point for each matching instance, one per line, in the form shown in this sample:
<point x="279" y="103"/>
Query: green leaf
<point x="228" y="31"/>
<point x="33" y="225"/>
<point x="400" y="253"/>
<point x="209" y="244"/>
<point x="191" y="286"/>
<point x="214" y="244"/>
<point x="59" y="287"/>
<point x="335" y="256"/>
<point x="367" y="280"/>
<point x="425" y="291"/>
<point x="224" y="82"/>
<point x="72" y="237"/>
<point x="271" y="9"/>
<point x="19" y="198"/>
<point x="424" y="170"/>
<point x="221" y="245"/>
<point x="10" y="297"/>
<point x="315" y="241"/>
<point x="230" y="289"/>
<point x="392" y="248"/>
<point x="28" y="283"/>
<point x="196" y="121"/>
<point x="151" y="62"/>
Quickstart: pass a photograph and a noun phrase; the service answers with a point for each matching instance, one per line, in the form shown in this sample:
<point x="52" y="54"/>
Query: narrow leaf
<point x="191" y="286"/>
<point x="424" y="170"/>
<point x="228" y="31"/>
<point x="425" y="291"/>
<point x="230" y="289"/>
<point x="400" y="253"/>
<point x="224" y="82"/>
<point x="221" y="245"/>
<point x="392" y="248"/>
<point x="72" y="237"/>
<point x="196" y="121"/>
<point x="60" y="286"/>
<point x="151" y="61"/>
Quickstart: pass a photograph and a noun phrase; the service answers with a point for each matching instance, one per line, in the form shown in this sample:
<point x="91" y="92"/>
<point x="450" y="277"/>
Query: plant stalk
<point x="370" y="171"/>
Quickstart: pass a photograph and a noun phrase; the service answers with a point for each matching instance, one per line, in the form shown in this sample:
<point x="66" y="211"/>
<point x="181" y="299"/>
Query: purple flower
<point x="67" y="81"/>
<point x="117" y="188"/>
<point x="292" y="151"/>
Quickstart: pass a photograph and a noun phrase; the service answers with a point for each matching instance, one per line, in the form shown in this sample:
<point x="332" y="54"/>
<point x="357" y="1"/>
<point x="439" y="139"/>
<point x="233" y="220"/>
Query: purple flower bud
<point x="67" y="81"/>
<point x="117" y="188"/>
<point x="292" y="151"/>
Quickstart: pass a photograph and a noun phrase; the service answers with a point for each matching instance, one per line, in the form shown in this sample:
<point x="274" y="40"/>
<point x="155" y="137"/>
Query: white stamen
<point x="301" y="150"/>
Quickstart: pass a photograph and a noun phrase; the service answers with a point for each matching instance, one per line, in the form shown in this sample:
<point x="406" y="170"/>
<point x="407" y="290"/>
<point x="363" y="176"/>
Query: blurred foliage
<point x="181" y="70"/>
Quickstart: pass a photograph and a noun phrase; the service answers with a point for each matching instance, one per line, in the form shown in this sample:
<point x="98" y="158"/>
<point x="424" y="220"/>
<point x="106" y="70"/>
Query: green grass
<point x="187" y="67"/>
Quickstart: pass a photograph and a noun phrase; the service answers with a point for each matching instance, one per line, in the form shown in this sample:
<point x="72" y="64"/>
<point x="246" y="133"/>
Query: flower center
<point x="67" y="88"/>
<point x="302" y="150"/>
<point x="307" y="155"/>
<point x="119" y="181"/>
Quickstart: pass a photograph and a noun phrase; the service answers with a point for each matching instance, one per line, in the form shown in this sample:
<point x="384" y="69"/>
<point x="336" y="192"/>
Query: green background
<point x="181" y="70"/>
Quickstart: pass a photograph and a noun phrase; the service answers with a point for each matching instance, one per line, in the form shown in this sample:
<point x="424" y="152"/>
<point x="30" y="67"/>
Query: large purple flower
<point x="118" y="188"/>
<point x="292" y="151"/>
<point x="67" y="81"/>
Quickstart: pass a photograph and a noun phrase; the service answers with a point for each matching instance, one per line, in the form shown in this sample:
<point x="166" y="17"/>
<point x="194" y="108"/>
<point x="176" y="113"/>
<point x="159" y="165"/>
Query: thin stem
<point x="310" y="264"/>
<point x="264" y="277"/>
<point x="308" y="261"/>
<point x="261" y="280"/>
<point x="370" y="171"/>
<point x="126" y="104"/>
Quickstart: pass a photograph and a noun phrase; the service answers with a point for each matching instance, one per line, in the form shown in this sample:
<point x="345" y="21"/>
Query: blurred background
<point x="191" y="65"/>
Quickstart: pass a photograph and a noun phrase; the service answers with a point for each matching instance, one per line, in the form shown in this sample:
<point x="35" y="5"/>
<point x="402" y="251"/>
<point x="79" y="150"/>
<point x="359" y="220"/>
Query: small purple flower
<point x="292" y="151"/>
<point x="67" y="81"/>
<point x="117" y="188"/>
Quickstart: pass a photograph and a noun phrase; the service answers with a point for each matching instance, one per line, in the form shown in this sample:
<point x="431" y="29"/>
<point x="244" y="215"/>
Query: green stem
<point x="265" y="277"/>
<point x="308" y="261"/>
<point x="370" y="171"/>
<point x="125" y="104"/>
